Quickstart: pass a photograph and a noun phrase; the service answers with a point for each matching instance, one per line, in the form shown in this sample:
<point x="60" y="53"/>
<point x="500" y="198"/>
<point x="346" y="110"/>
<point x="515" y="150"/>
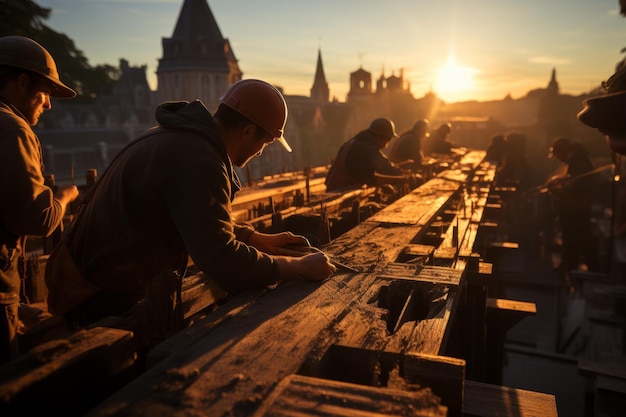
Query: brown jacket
<point x="27" y="206"/>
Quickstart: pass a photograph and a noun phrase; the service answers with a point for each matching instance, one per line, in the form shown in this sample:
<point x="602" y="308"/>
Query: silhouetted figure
<point x="514" y="169"/>
<point x="495" y="150"/>
<point x="606" y="113"/>
<point x="573" y="195"/>
<point x="439" y="142"/>
<point x="361" y="161"/>
<point x="407" y="149"/>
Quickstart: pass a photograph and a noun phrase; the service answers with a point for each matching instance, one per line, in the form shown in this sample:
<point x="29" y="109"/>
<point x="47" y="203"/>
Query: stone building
<point x="199" y="63"/>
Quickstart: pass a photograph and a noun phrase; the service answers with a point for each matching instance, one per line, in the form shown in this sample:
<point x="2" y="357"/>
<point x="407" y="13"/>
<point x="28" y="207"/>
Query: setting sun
<point x="455" y="82"/>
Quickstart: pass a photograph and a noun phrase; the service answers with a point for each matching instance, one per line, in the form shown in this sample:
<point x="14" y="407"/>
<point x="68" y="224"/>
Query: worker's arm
<point x="271" y="243"/>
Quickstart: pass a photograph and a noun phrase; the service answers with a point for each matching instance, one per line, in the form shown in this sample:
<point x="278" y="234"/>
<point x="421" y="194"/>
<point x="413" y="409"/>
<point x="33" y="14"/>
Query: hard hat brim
<point x="605" y="113"/>
<point x="283" y="142"/>
<point x="60" y="90"/>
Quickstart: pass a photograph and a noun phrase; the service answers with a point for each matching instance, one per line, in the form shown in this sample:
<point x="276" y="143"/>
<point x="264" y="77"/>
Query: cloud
<point x="549" y="60"/>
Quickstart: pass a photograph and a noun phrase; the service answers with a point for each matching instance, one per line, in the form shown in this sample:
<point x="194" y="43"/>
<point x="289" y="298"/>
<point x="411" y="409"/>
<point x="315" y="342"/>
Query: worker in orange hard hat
<point x="167" y="196"/>
<point x="28" y="78"/>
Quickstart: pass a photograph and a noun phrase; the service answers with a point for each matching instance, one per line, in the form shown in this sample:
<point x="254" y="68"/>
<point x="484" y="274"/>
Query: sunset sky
<point x="460" y="49"/>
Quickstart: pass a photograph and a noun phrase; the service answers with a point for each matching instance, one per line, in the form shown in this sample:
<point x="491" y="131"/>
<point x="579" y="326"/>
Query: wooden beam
<point x="486" y="400"/>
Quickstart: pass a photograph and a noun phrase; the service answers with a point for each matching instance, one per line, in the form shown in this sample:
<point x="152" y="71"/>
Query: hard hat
<point x="262" y="104"/>
<point x="25" y="53"/>
<point x="606" y="112"/>
<point x="422" y="125"/>
<point x="383" y="127"/>
<point x="559" y="146"/>
<point x="445" y="127"/>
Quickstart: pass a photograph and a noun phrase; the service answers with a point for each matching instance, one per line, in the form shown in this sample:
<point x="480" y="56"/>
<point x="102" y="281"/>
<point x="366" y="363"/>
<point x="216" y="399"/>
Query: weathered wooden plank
<point x="486" y="400"/>
<point x="371" y="251"/>
<point x="253" y="195"/>
<point x="503" y="314"/>
<point x="266" y="341"/>
<point x="199" y="292"/>
<point x="444" y="375"/>
<point x="49" y="371"/>
<point x="307" y="397"/>
<point x="418" y="207"/>
<point x="592" y="368"/>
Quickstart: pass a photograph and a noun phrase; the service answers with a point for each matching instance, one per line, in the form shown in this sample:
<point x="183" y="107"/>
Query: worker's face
<point x="254" y="141"/>
<point x="560" y="155"/>
<point x="382" y="142"/>
<point x="35" y="97"/>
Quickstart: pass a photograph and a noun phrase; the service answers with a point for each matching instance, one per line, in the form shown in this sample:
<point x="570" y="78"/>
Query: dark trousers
<point x="9" y="323"/>
<point x="579" y="244"/>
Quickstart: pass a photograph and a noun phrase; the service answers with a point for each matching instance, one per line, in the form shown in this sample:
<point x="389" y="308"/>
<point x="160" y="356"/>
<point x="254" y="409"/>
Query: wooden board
<point x="486" y="400"/>
<point x="308" y="397"/>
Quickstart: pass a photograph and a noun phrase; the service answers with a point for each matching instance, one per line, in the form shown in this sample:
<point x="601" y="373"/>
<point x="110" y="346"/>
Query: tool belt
<point x="8" y="249"/>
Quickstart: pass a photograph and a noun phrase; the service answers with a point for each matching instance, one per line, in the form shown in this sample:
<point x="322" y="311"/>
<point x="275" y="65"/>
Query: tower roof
<point x="553" y="85"/>
<point x="319" y="71"/>
<point x="197" y="41"/>
<point x="320" y="91"/>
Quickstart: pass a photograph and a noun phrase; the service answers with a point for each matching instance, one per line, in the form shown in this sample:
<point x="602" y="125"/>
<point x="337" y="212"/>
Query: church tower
<point x="553" y="85"/>
<point x="360" y="84"/>
<point x="197" y="62"/>
<point x="320" y="92"/>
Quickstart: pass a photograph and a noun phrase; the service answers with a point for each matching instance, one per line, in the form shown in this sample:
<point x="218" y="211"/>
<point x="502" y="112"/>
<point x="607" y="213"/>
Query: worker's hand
<point x="66" y="194"/>
<point x="313" y="267"/>
<point x="272" y="243"/>
<point x="401" y="164"/>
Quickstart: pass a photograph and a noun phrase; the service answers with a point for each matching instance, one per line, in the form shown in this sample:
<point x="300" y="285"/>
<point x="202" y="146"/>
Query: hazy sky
<point x="497" y="46"/>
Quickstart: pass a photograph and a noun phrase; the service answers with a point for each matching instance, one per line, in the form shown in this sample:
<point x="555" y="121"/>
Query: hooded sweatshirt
<point x="166" y="195"/>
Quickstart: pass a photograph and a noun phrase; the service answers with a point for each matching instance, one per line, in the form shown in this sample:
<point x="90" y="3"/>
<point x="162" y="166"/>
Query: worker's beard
<point x="241" y="163"/>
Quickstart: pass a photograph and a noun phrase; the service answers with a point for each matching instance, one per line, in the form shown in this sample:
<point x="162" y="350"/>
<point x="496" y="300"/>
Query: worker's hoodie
<point x="166" y="195"/>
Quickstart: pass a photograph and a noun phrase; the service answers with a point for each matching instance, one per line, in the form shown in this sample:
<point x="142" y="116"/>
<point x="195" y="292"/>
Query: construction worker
<point x="167" y="196"/>
<point x="573" y="195"/>
<point x="28" y="78"/>
<point x="407" y="149"/>
<point x="606" y="113"/>
<point x="439" y="142"/>
<point x="360" y="160"/>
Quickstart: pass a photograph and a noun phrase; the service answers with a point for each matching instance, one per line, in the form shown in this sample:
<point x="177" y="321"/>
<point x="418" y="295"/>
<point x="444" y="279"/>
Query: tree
<point x="26" y="18"/>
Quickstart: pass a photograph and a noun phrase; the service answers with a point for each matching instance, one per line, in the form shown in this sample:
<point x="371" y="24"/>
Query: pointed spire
<point x="320" y="92"/>
<point x="319" y="71"/>
<point x="553" y="85"/>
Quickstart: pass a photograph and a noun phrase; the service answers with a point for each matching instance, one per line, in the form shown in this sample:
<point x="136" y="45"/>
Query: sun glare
<point x="455" y="82"/>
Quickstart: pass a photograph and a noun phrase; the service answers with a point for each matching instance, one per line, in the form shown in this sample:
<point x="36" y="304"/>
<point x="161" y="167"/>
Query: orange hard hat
<point x="261" y="103"/>
<point x="25" y="53"/>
